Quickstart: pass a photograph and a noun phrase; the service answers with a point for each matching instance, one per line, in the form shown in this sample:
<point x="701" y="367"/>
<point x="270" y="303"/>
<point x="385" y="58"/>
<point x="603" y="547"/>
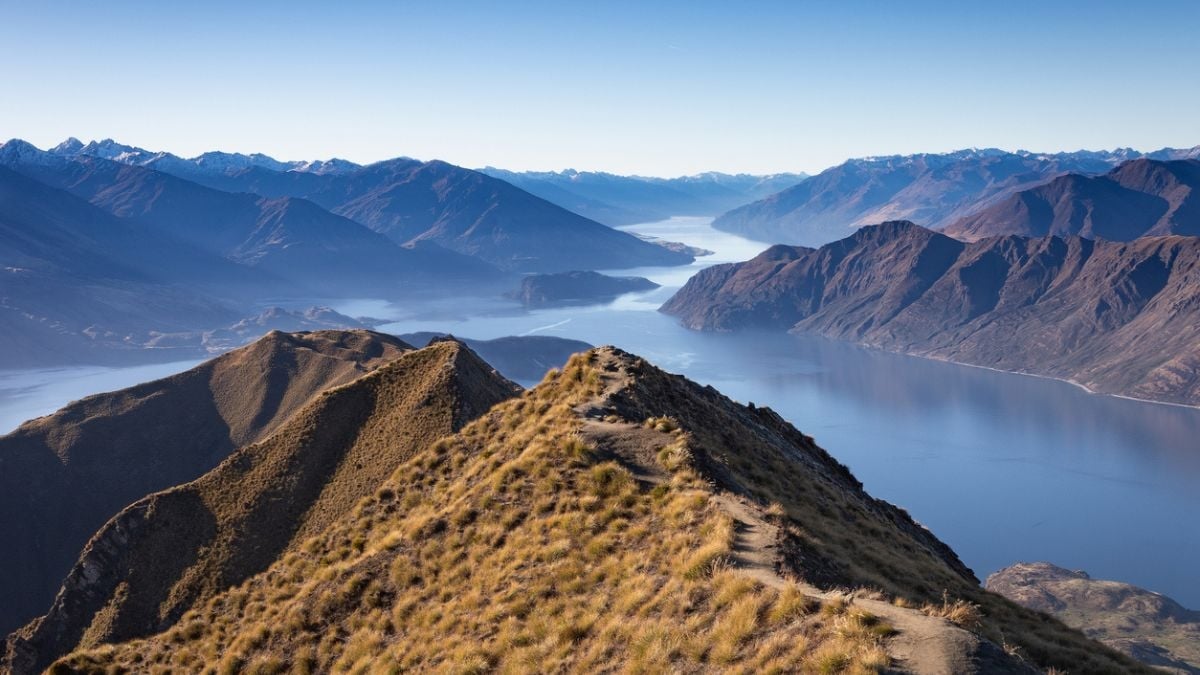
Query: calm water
<point x="1002" y="467"/>
<point x="25" y="394"/>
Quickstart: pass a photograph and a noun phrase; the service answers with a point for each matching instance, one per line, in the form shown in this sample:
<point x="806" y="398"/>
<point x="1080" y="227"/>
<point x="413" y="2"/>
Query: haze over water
<point x="1002" y="467"/>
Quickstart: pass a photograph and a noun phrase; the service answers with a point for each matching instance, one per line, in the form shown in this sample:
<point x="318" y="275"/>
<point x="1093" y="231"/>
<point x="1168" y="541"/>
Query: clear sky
<point x="656" y="88"/>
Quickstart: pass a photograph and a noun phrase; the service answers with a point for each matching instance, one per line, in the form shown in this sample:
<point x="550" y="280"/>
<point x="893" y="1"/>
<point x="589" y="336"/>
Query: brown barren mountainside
<point x="936" y="189"/>
<point x="1150" y="627"/>
<point x="1143" y="197"/>
<point x="63" y="475"/>
<point x="1119" y="318"/>
<point x="615" y="517"/>
<point x="163" y="554"/>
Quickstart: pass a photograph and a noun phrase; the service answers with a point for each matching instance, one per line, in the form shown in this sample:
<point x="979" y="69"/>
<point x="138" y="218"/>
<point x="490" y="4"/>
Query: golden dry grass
<point x="517" y="546"/>
<point x="506" y="548"/>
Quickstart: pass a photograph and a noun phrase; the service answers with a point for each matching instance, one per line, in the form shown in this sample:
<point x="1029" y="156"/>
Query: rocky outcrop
<point x="1148" y="626"/>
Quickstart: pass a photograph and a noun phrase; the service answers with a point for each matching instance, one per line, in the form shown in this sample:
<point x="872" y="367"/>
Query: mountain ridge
<point x="1140" y="197"/>
<point x="287" y="237"/>
<point x="146" y="438"/>
<point x="625" y="200"/>
<point x="614" y="501"/>
<point x="411" y="201"/>
<point x="170" y="550"/>
<point x="935" y="190"/>
<point x="1115" y="317"/>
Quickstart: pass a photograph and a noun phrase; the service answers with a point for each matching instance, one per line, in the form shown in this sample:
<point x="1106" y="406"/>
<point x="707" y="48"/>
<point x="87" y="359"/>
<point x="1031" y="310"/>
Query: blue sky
<point x="653" y="88"/>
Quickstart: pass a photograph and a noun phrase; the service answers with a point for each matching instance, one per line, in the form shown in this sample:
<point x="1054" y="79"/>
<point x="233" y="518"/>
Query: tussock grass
<point x="962" y="612"/>
<point x="523" y="552"/>
<point x="514" y="546"/>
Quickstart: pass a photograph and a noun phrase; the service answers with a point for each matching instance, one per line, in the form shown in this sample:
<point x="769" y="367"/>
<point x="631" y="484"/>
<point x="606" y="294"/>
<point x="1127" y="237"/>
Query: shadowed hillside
<point x="79" y="283"/>
<point x="173" y="549"/>
<point x="62" y="476"/>
<point x="614" y="517"/>
<point x="1121" y="318"/>
<point x="285" y="236"/>
<point x="409" y="201"/>
<point x="1139" y="198"/>
<point x="935" y="190"/>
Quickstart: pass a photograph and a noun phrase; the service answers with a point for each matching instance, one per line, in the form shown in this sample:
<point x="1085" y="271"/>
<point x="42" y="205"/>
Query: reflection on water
<point x="1002" y="467"/>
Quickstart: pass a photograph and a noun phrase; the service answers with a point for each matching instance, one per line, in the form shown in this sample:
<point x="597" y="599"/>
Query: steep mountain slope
<point x="1121" y="318"/>
<point x="1150" y="627"/>
<point x="63" y="475"/>
<point x="174" y="549"/>
<point x="931" y="189"/>
<point x="79" y="284"/>
<point x="464" y="211"/>
<point x="287" y="237"/>
<point x="1143" y="197"/>
<point x="576" y="528"/>
<point x="429" y="202"/>
<point x="623" y="200"/>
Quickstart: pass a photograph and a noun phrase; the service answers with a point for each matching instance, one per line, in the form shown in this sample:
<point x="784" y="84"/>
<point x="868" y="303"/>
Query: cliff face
<point x="615" y="516"/>
<point x="1149" y="627"/>
<point x="174" y="549"/>
<point x="63" y="475"/>
<point x="1120" y="318"/>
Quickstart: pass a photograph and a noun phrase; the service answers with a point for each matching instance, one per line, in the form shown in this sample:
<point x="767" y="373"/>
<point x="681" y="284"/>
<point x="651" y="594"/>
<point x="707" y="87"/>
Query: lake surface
<point x="25" y="394"/>
<point x="1002" y="467"/>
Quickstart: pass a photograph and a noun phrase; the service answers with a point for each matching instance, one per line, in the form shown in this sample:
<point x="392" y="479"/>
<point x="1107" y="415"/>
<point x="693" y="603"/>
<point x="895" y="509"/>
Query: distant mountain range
<point x="415" y="203"/>
<point x="79" y="283"/>
<point x="1116" y="317"/>
<point x="934" y="190"/>
<point x="107" y="247"/>
<point x="624" y="200"/>
<point x="207" y="163"/>
<point x="291" y="239"/>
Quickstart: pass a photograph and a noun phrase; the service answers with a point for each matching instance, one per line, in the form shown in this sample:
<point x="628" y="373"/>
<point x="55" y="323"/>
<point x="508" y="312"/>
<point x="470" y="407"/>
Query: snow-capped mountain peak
<point x="17" y="151"/>
<point x="67" y="148"/>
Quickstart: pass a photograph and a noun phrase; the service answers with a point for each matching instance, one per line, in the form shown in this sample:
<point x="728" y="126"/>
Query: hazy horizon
<point x="50" y="145"/>
<point x="673" y="89"/>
